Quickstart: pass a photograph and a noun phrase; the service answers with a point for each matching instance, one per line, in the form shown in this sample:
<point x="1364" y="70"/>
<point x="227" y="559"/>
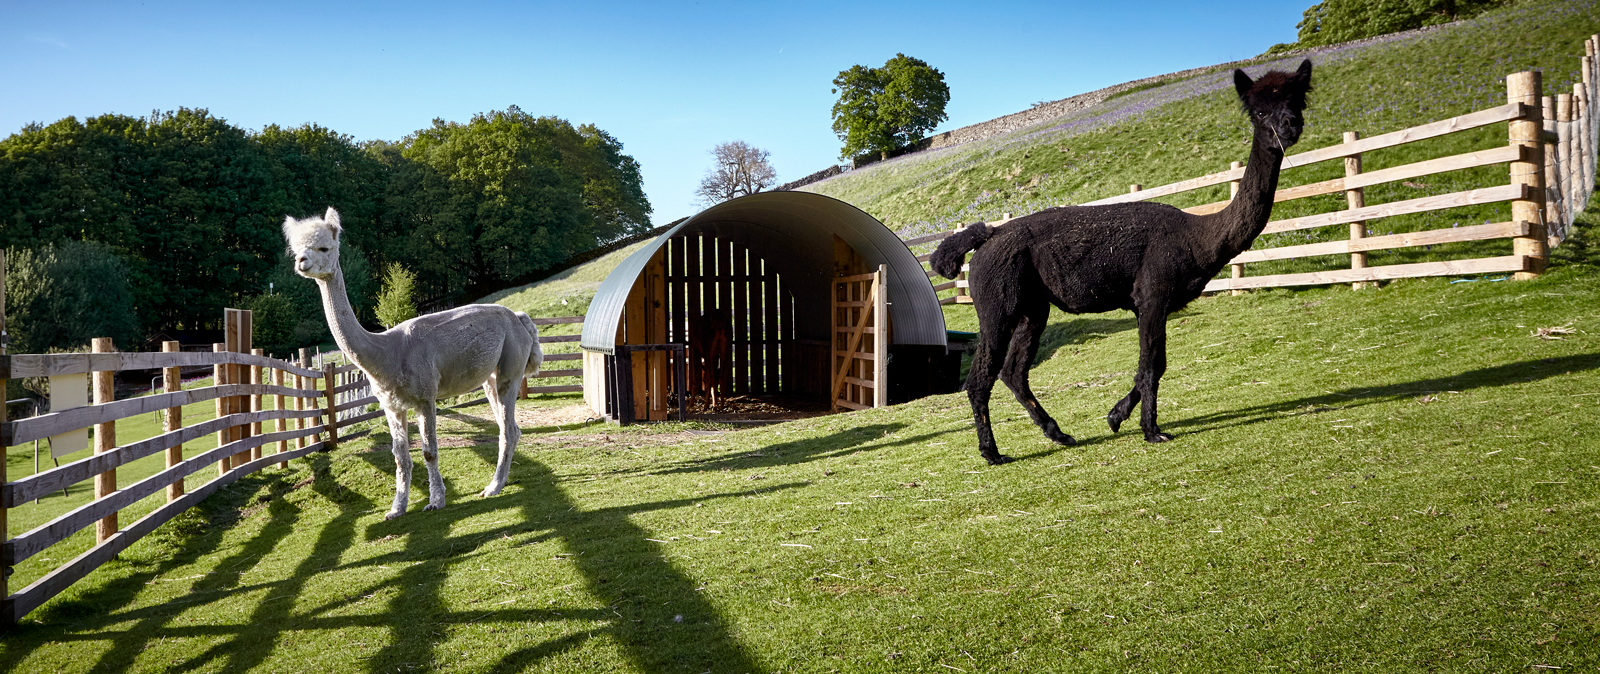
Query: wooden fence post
<point x="1555" y="208"/>
<point x="172" y="379"/>
<point x="307" y="384"/>
<point x="1564" y="177"/>
<point x="333" y="417"/>
<point x="283" y="424"/>
<point x="1583" y="145"/>
<point x="255" y="403"/>
<point x="1135" y="188"/>
<point x="1233" y="191"/>
<point x="105" y="438"/>
<point x="219" y="376"/>
<point x="1524" y="88"/>
<point x="1356" y="198"/>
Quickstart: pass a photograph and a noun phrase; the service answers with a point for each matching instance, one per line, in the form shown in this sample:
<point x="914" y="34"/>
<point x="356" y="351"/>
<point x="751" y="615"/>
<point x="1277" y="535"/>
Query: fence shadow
<point x="1520" y="372"/>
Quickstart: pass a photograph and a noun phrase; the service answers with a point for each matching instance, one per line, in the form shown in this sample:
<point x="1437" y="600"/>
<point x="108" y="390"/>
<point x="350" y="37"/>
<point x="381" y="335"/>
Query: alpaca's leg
<point x="506" y="413"/>
<point x="987" y="359"/>
<point x="1152" y="364"/>
<point x="1019" y="357"/>
<point x="1124" y="407"/>
<point x="428" y="428"/>
<point x="401" y="445"/>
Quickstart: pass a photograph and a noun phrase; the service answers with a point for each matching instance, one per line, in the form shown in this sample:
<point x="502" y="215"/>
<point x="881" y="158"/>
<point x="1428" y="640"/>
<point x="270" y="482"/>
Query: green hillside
<point x="1396" y="479"/>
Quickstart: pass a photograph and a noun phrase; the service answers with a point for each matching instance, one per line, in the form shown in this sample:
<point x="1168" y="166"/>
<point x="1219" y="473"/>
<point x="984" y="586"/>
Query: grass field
<point x="1393" y="479"/>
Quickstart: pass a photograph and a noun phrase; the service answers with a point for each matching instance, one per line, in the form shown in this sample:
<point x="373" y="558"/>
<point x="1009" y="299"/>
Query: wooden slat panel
<point x="1487" y="195"/>
<point x="62" y="577"/>
<point x="852" y="278"/>
<point x="546" y="374"/>
<point x="56" y="423"/>
<point x="562" y="356"/>
<point x="739" y="293"/>
<point x="1473" y="120"/>
<point x="773" y="382"/>
<point x="28" y="488"/>
<point x="857" y="381"/>
<point x="1490" y="265"/>
<point x="1500" y="230"/>
<point x="36" y="365"/>
<point x="558" y="339"/>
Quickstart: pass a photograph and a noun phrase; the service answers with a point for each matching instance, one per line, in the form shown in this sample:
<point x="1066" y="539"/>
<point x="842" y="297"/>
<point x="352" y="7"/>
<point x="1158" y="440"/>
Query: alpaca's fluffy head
<point x="1277" y="101"/>
<point x="314" y="244"/>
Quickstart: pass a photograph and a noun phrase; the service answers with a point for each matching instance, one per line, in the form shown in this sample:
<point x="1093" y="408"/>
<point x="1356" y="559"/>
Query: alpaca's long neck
<point x="1232" y="230"/>
<point x="353" y="339"/>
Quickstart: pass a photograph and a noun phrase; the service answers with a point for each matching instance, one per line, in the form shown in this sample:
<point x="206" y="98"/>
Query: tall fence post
<point x="1233" y="191"/>
<point x="1355" y="198"/>
<point x="1555" y="208"/>
<point x="880" y="338"/>
<point x="1564" y="177"/>
<point x="1524" y="88"/>
<point x="283" y="424"/>
<point x="105" y="439"/>
<point x="219" y="376"/>
<point x="1583" y="145"/>
<point x="255" y="403"/>
<point x="172" y="382"/>
<point x="332" y="416"/>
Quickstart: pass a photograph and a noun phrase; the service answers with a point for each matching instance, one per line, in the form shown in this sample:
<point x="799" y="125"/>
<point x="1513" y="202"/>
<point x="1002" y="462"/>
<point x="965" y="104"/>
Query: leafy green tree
<point x="61" y="295"/>
<point x="397" y="301"/>
<point x="883" y="109"/>
<point x="302" y="295"/>
<point x="1335" y="21"/>
<point x="272" y="320"/>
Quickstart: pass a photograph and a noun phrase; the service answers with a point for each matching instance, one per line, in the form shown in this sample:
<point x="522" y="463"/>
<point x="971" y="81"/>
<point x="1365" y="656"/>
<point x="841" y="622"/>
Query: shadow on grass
<point x="1077" y="330"/>
<point x="1520" y="372"/>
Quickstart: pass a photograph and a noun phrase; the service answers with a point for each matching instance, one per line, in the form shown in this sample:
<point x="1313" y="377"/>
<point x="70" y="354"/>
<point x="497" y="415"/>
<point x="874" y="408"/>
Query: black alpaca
<point x="1149" y="258"/>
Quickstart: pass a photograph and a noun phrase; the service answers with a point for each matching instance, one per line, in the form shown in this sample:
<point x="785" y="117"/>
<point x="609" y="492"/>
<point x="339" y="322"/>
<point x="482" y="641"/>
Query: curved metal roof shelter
<point x="793" y="232"/>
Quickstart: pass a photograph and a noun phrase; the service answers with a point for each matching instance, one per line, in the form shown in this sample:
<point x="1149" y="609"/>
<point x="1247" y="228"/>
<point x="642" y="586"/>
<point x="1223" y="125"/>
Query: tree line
<point x="147" y="224"/>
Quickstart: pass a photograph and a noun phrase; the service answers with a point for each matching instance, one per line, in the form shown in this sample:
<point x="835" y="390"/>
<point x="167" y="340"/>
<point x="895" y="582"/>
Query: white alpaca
<point x="429" y="357"/>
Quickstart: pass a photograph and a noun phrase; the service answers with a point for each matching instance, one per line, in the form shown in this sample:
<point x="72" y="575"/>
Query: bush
<point x="274" y="318"/>
<point x="397" y="302"/>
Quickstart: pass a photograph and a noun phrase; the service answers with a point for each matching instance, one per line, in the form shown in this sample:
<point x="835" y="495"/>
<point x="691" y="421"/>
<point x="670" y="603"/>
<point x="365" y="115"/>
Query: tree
<point x="273" y="319"/>
<point x="883" y="109"/>
<point x="1335" y="21"/>
<point x="397" y="301"/>
<point x="741" y="169"/>
<point x="62" y="295"/>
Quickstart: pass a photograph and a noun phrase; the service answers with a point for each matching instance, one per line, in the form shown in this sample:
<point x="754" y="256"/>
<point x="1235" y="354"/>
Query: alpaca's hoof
<point x="998" y="459"/>
<point x="393" y="514"/>
<point x="432" y="506"/>
<point x="1115" y="420"/>
<point x="1157" y="437"/>
<point x="1062" y="439"/>
<point x="489" y="491"/>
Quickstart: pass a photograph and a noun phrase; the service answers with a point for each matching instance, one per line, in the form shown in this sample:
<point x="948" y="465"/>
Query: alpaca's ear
<point x="1302" y="75"/>
<point x="288" y="226"/>
<point x="1242" y="83"/>
<point x="332" y="218"/>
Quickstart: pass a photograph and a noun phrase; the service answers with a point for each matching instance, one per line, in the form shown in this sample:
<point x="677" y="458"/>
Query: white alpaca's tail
<point x="536" y="356"/>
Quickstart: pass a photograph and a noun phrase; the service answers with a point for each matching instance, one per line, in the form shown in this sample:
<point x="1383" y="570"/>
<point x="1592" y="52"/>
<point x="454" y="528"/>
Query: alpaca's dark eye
<point x="323" y="250"/>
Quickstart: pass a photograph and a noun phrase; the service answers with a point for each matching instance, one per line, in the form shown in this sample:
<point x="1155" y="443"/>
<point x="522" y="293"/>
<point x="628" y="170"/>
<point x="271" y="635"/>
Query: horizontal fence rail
<point x="1556" y="133"/>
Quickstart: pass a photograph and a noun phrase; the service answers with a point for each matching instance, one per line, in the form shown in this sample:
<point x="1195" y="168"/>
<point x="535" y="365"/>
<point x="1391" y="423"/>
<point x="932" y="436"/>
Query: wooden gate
<point x="860" y="341"/>
<point x="705" y="272"/>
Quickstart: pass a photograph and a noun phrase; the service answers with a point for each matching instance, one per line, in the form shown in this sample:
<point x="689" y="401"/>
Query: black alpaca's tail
<point x="952" y="252"/>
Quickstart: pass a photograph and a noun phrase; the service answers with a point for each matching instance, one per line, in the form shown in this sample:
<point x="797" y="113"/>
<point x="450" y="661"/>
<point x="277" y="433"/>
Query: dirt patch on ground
<point x="762" y="408"/>
<point x="619" y="441"/>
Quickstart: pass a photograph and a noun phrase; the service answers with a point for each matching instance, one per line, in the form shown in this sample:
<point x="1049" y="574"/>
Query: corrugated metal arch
<point x="796" y="230"/>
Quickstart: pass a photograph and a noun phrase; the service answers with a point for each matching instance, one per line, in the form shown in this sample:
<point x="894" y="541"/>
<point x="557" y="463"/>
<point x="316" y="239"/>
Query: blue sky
<point x="669" y="80"/>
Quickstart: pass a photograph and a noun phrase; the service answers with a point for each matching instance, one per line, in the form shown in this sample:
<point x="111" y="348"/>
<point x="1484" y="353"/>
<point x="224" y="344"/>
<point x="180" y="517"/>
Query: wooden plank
<point x="556" y="320"/>
<point x="1473" y="120"/>
<point x="1499" y="230"/>
<point x="341" y="369"/>
<point x="547" y="374"/>
<point x="353" y="404"/>
<point x="772" y="336"/>
<point x="56" y="423"/>
<point x="880" y="338"/>
<point x="363" y="383"/>
<point x="927" y="238"/>
<point x="852" y="278"/>
<point x="739" y="294"/>
<point x="45" y="365"/>
<point x="105" y="440"/>
<point x="868" y="331"/>
<point x="40" y="591"/>
<point x="34" y="486"/>
<point x="944" y="286"/>
<point x="857" y="381"/>
<point x="556" y="389"/>
<point x="558" y="339"/>
<point x="1487" y="195"/>
<point x="562" y="356"/>
<point x="1490" y="265"/>
<point x="852" y="406"/>
<point x="864" y="355"/>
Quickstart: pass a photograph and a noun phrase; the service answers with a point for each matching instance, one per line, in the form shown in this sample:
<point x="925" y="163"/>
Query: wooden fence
<point x="312" y="401"/>
<point x="1550" y="159"/>
<point x="544" y="372"/>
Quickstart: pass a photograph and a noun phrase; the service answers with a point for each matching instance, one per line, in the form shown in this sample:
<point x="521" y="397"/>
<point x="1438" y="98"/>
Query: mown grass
<point x="1392" y="479"/>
